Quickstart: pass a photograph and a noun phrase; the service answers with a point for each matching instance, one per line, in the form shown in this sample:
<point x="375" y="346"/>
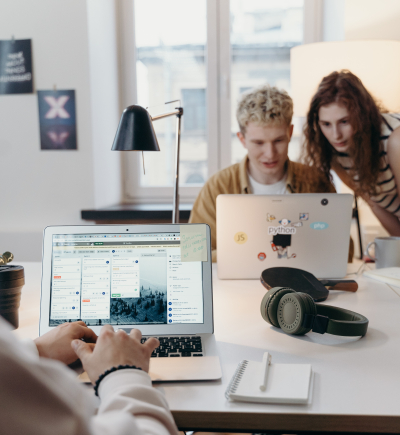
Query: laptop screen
<point x="124" y="279"/>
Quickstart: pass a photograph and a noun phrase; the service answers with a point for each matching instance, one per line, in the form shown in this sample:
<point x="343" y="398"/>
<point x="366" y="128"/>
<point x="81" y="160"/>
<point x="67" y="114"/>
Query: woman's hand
<point x="113" y="349"/>
<point x="56" y="344"/>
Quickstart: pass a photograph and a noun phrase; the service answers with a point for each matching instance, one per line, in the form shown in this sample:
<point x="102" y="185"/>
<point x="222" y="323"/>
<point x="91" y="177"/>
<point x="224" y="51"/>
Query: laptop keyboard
<point x="175" y="347"/>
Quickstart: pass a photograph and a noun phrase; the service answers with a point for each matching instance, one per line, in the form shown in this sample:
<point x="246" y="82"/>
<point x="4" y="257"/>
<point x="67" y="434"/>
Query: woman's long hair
<point x="345" y="88"/>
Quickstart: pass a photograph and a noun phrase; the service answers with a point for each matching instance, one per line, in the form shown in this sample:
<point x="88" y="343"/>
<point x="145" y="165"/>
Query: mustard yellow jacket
<point x="234" y="179"/>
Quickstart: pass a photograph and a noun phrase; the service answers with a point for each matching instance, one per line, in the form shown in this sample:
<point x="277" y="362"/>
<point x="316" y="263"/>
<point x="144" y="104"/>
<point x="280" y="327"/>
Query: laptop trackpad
<point x="179" y="369"/>
<point x="185" y="369"/>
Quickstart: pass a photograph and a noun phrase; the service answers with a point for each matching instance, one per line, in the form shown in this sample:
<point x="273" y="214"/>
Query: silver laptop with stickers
<point x="304" y="231"/>
<point x="156" y="278"/>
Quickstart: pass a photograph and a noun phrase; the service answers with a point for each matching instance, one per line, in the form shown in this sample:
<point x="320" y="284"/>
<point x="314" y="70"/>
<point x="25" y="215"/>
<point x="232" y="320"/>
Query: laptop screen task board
<point x="123" y="279"/>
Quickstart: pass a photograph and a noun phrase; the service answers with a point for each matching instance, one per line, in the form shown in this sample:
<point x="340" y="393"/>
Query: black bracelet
<point x="107" y="372"/>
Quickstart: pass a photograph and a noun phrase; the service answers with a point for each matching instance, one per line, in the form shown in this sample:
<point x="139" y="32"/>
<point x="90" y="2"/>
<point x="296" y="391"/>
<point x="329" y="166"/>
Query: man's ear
<point x="290" y="131"/>
<point x="241" y="138"/>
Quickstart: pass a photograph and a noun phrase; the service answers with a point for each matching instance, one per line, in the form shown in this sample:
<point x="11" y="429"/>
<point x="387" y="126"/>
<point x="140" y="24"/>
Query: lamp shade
<point x="375" y="63"/>
<point x="135" y="131"/>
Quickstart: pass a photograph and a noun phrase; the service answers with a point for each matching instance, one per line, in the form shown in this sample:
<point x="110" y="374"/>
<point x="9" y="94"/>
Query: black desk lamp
<point x="136" y="133"/>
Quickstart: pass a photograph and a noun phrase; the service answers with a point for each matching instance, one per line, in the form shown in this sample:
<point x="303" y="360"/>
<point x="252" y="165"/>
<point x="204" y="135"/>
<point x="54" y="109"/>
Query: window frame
<point x="218" y="98"/>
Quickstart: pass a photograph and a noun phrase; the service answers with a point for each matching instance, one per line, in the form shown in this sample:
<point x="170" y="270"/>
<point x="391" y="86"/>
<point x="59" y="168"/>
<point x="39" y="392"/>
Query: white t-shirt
<point x="278" y="188"/>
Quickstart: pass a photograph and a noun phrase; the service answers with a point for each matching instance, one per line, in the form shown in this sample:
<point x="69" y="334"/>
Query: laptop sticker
<point x="281" y="244"/>
<point x="319" y="225"/>
<point x="240" y="238"/>
<point x="193" y="243"/>
<point x="262" y="256"/>
<point x="303" y="216"/>
<point x="281" y="230"/>
<point x="296" y="224"/>
<point x="284" y="222"/>
<point x="270" y="217"/>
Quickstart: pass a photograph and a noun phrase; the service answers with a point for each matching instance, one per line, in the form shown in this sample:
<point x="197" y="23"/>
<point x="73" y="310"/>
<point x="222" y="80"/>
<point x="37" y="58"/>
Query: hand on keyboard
<point x="113" y="349"/>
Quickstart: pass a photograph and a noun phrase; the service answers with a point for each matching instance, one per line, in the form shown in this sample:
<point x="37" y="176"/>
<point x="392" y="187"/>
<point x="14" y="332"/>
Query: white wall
<point x="41" y="188"/>
<point x="333" y="16"/>
<point x="372" y="19"/>
<point x="105" y="105"/>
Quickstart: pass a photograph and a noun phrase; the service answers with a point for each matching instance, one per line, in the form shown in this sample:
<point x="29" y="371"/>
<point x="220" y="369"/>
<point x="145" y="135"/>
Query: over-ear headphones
<point x="296" y="313"/>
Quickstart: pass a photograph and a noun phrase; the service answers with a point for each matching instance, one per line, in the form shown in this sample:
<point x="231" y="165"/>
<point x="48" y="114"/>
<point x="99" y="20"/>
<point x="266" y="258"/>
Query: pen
<point x="266" y="361"/>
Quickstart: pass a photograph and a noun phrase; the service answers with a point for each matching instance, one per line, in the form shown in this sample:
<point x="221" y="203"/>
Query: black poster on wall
<point x="16" y="67"/>
<point x="57" y="118"/>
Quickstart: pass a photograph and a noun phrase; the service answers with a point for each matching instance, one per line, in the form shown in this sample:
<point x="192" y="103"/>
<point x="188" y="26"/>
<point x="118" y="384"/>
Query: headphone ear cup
<point x="269" y="304"/>
<point x="291" y="311"/>
<point x="311" y="308"/>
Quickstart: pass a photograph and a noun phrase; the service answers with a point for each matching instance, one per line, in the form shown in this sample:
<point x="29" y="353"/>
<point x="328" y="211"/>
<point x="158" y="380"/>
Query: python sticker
<point x="240" y="238"/>
<point x="281" y="230"/>
<point x="262" y="256"/>
<point x="319" y="225"/>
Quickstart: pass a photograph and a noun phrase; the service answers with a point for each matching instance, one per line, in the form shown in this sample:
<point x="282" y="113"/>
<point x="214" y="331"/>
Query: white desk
<point x="356" y="384"/>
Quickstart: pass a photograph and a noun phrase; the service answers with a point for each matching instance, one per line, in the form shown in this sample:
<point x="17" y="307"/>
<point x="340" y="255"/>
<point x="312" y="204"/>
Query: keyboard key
<point x="177" y="347"/>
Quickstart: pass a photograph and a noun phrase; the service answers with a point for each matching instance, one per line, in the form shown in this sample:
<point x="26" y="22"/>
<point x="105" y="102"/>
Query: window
<point x="262" y="34"/>
<point x="170" y="65"/>
<point x="205" y="61"/>
<point x="194" y="102"/>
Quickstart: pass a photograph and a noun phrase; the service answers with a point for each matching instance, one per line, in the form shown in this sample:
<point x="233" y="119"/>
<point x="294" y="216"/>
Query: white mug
<point x="387" y="252"/>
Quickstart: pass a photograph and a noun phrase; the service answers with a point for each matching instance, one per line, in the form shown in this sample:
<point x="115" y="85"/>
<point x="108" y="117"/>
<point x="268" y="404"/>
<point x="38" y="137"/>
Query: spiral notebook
<point x="255" y="381"/>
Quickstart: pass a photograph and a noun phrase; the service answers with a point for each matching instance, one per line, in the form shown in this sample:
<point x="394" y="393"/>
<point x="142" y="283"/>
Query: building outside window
<point x="222" y="49"/>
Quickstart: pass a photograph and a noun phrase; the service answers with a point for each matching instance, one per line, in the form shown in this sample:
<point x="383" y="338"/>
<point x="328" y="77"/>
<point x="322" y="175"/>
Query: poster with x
<point x="57" y="119"/>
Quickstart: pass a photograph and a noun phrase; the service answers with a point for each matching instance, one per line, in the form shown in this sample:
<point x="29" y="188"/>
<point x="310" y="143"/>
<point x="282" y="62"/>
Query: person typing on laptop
<point x="40" y="395"/>
<point x="265" y="120"/>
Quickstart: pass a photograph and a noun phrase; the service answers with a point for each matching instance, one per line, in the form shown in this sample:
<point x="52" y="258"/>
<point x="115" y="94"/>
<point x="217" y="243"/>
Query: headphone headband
<point x="339" y="321"/>
<point x="296" y="313"/>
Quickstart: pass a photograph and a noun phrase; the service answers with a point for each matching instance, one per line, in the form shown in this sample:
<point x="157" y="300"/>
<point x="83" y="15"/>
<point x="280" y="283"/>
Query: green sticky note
<point x="193" y="242"/>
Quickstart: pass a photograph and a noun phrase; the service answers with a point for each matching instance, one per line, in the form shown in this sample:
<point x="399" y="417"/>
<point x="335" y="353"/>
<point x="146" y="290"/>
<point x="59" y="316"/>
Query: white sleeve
<point x="145" y="408"/>
<point x="40" y="396"/>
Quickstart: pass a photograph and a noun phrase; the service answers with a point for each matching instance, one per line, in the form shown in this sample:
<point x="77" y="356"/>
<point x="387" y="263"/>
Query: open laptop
<point x="304" y="231"/>
<point x="132" y="277"/>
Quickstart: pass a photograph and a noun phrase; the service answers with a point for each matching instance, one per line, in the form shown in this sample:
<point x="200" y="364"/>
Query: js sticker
<point x="240" y="238"/>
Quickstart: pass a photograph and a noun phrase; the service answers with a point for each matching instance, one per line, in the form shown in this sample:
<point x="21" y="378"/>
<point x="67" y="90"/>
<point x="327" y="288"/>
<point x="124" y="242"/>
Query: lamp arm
<point x="175" y="210"/>
<point x="178" y="112"/>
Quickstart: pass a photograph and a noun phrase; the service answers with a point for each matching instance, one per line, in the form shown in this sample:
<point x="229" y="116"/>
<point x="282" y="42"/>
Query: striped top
<point x="387" y="196"/>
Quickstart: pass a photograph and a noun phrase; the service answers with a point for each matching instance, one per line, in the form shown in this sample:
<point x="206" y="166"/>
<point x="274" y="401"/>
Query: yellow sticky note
<point x="193" y="242"/>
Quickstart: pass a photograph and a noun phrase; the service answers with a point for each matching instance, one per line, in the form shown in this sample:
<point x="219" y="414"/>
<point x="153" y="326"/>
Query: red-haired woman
<point x="349" y="132"/>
